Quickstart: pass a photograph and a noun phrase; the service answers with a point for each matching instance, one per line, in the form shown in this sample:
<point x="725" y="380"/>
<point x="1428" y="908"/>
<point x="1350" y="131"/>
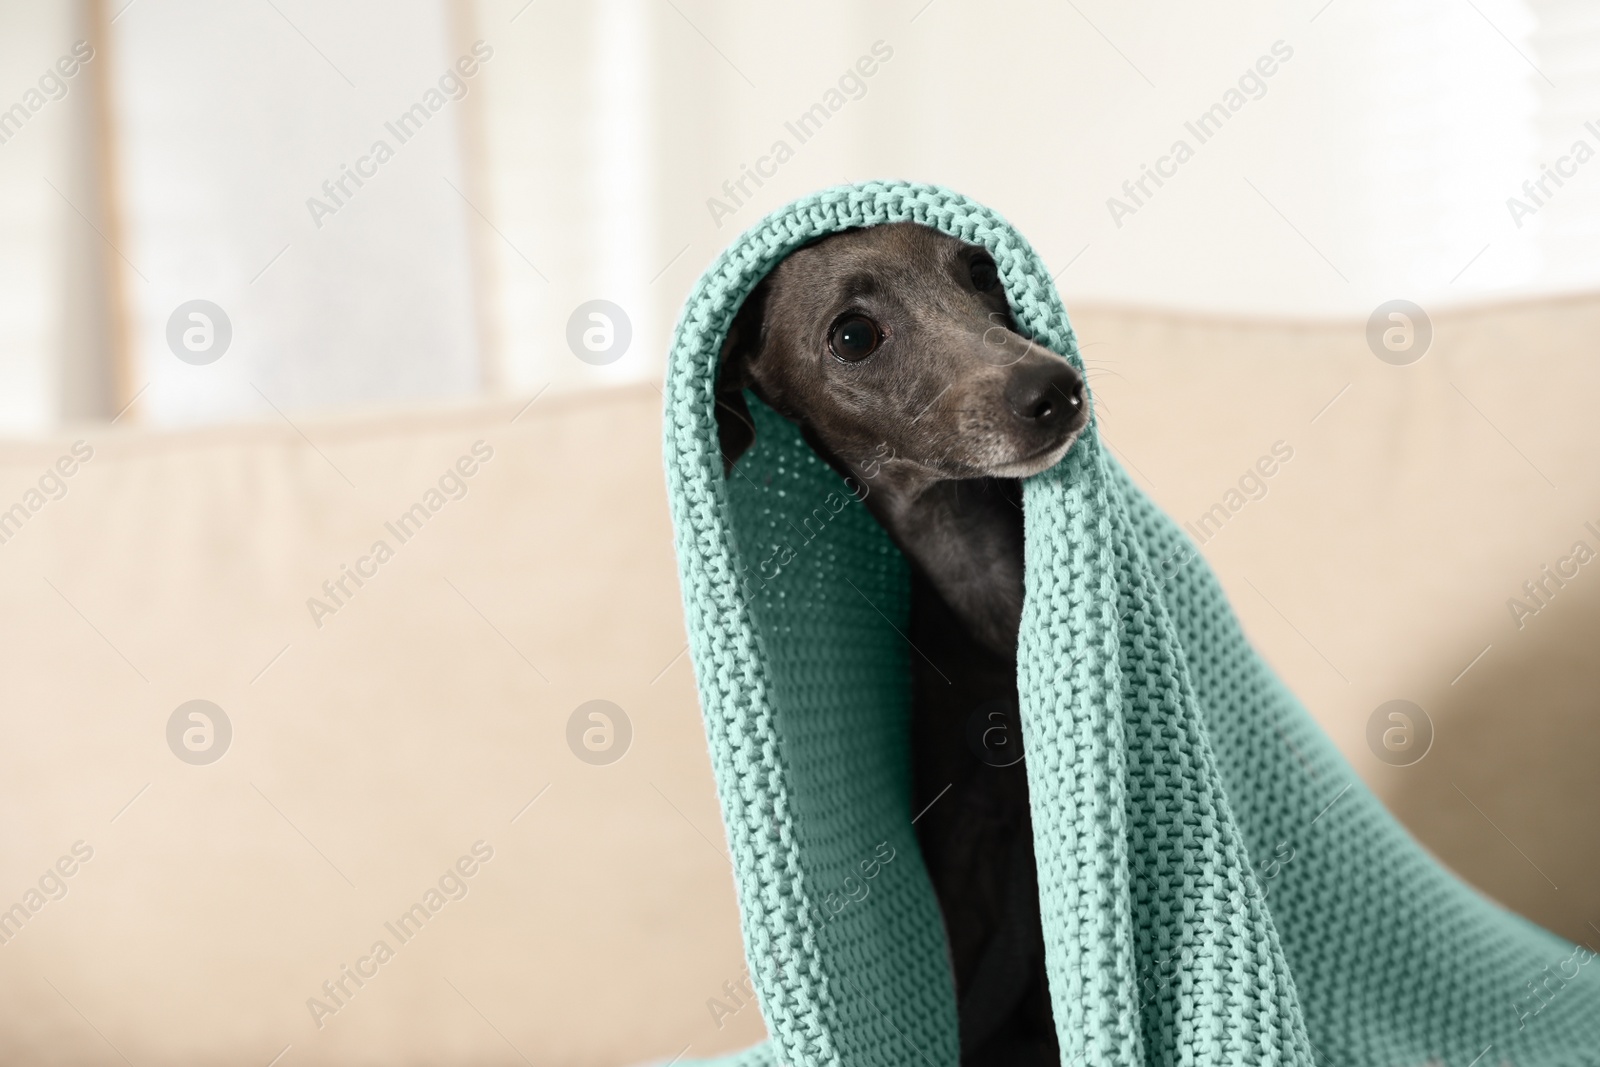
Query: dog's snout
<point x="1047" y="395"/>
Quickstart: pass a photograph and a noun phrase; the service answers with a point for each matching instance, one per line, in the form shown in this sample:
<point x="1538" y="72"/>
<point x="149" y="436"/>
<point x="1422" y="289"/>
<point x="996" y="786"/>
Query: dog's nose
<point x="1050" y="394"/>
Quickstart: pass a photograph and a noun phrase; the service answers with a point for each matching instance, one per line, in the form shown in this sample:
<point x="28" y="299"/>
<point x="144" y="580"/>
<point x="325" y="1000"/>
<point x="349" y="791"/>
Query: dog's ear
<point x="736" y="430"/>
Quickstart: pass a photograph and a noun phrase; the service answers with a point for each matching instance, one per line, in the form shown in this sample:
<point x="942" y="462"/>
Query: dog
<point x="893" y="349"/>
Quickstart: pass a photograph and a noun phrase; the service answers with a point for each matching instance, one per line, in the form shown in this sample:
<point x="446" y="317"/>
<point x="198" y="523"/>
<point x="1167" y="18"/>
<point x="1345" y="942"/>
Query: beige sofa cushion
<point x="368" y="753"/>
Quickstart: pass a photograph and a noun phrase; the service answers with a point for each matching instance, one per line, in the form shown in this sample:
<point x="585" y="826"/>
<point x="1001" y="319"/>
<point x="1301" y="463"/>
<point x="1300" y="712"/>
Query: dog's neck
<point x="966" y="536"/>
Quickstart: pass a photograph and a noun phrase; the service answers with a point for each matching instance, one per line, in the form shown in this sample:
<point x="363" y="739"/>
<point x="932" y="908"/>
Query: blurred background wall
<point x="586" y="156"/>
<point x="274" y="334"/>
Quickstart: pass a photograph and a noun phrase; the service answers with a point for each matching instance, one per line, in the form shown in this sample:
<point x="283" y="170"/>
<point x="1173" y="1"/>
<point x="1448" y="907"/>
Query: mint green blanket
<point x="1217" y="885"/>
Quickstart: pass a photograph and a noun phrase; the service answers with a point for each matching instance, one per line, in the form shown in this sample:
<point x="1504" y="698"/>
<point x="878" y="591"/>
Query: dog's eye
<point x="985" y="276"/>
<point x="854" y="338"/>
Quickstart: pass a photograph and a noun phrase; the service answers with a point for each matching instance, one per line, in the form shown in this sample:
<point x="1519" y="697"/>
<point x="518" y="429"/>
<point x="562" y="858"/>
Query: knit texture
<point x="1217" y="885"/>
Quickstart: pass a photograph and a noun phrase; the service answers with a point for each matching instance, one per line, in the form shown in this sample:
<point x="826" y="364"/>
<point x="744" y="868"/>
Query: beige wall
<point x="372" y="752"/>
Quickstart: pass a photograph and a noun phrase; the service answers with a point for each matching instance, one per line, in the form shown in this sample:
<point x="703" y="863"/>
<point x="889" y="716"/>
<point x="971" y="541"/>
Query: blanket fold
<point x="1216" y="884"/>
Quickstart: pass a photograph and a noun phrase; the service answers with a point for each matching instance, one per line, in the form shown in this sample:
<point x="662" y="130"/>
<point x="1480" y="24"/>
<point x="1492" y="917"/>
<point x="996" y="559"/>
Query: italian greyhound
<point x="894" y="351"/>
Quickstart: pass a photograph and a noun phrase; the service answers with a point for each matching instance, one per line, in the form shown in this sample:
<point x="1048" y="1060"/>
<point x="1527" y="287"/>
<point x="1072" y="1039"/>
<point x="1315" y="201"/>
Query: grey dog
<point x="894" y="350"/>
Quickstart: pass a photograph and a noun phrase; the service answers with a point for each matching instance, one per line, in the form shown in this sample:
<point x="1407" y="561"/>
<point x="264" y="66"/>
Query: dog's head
<point x="895" y="343"/>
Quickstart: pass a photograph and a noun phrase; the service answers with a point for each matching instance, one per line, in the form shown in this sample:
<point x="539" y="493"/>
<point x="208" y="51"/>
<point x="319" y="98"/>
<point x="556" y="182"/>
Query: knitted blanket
<point x="1217" y="885"/>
